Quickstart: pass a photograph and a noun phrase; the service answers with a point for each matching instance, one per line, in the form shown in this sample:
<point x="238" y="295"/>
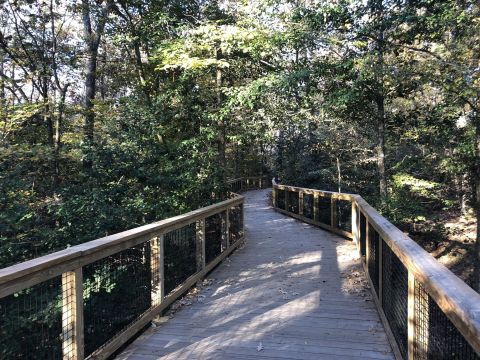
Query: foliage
<point x="321" y="94"/>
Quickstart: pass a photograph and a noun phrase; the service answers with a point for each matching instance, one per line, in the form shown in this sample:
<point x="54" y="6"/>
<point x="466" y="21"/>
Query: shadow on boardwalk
<point x="281" y="296"/>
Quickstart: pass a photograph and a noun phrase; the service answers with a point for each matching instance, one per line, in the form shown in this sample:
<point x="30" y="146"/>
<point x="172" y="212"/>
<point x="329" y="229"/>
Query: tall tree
<point x="94" y="21"/>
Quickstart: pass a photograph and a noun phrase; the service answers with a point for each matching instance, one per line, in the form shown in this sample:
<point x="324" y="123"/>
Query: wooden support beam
<point x="333" y="212"/>
<point x="411" y="315"/>
<point x="380" y="271"/>
<point x="243" y="219"/>
<point x="287" y="196"/>
<point x="157" y="269"/>
<point x="200" y="244"/>
<point x="300" y="203"/>
<point x="368" y="230"/>
<point x="225" y="241"/>
<point x="315" y="207"/>
<point x="72" y="315"/>
<point x="355" y="224"/>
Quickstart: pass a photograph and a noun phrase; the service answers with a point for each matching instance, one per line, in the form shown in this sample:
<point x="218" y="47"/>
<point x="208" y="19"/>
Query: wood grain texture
<point x="282" y="293"/>
<point x="459" y="302"/>
<point x="32" y="272"/>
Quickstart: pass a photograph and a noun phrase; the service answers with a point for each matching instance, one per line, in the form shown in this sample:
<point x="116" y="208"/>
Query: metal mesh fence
<point x="281" y="199"/>
<point x="324" y="210"/>
<point x="236" y="186"/>
<point x="344" y="215"/>
<point x="395" y="296"/>
<point x="308" y="206"/>
<point x="252" y="183"/>
<point x="31" y="322"/>
<point x="235" y="217"/>
<point x="363" y="234"/>
<point x="179" y="248"/>
<point x="213" y="236"/>
<point x="373" y="259"/>
<point x="117" y="290"/>
<point x="436" y="338"/>
<point x="292" y="201"/>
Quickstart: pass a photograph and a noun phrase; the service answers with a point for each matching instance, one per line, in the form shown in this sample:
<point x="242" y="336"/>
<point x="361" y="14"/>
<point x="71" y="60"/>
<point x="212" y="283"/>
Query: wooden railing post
<point x="411" y="315"/>
<point x="225" y="232"/>
<point x="274" y="197"/>
<point x="157" y="270"/>
<point x="287" y="196"/>
<point x="200" y="242"/>
<point x="72" y="315"/>
<point x="368" y="231"/>
<point x="380" y="271"/>
<point x="300" y="203"/>
<point x="243" y="218"/>
<point x="333" y="212"/>
<point x="315" y="207"/>
<point x="355" y="225"/>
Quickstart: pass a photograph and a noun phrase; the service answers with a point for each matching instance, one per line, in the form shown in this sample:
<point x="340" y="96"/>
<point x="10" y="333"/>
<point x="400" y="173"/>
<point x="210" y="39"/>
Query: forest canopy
<point x="114" y="114"/>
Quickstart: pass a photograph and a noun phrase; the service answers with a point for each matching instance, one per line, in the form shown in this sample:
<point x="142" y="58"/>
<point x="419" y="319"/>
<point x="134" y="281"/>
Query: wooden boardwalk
<point x="291" y="293"/>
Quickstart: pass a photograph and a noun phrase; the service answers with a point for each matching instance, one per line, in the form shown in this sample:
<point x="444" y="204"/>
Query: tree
<point x="92" y="34"/>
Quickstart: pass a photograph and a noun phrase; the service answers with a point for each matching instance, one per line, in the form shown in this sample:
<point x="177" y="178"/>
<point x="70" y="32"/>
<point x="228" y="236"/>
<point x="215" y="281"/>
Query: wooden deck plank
<point x="284" y="289"/>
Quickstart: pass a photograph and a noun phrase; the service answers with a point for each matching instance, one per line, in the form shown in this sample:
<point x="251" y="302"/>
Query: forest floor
<point x="450" y="239"/>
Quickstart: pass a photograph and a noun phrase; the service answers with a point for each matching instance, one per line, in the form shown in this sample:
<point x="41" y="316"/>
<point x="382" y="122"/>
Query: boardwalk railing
<point x="89" y="300"/>
<point x="241" y="184"/>
<point x="428" y="312"/>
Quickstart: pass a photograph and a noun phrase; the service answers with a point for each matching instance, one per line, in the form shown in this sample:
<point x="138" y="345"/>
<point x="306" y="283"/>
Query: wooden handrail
<point x="459" y="302"/>
<point x="29" y="273"/>
<point x="331" y="225"/>
<point x="455" y="298"/>
<point x="245" y="183"/>
<point x="69" y="264"/>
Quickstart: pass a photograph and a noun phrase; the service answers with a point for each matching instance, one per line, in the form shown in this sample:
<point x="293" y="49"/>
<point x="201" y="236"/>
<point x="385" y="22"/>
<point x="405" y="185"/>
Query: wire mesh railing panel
<point x="116" y="291"/>
<point x="373" y="261"/>
<point x="324" y="210"/>
<point x="363" y="235"/>
<point x="395" y="297"/>
<point x="179" y="260"/>
<point x="308" y="206"/>
<point x="344" y="215"/>
<point x="235" y="218"/>
<point x="281" y="199"/>
<point x="292" y="201"/>
<point x="436" y="338"/>
<point x="251" y="183"/>
<point x="31" y="322"/>
<point x="236" y="186"/>
<point x="213" y="236"/>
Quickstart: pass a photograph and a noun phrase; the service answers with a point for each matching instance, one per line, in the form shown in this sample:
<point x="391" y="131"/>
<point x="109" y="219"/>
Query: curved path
<point x="293" y="292"/>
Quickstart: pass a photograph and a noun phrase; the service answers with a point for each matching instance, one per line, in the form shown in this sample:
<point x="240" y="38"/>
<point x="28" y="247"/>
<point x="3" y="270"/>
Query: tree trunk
<point x="464" y="191"/>
<point x="141" y="74"/>
<point x="380" y="100"/>
<point x="221" y="121"/>
<point x="92" y="40"/>
<point x="58" y="135"/>
<point x="476" y="272"/>
<point x="339" y="176"/>
<point x="90" y="90"/>
<point x="47" y="118"/>
<point x="381" y="150"/>
<point x="3" y="101"/>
